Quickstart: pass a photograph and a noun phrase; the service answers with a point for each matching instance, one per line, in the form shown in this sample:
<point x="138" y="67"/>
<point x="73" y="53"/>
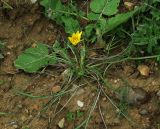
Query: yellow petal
<point x="80" y="33"/>
<point x="75" y="38"/>
<point x="70" y="39"/>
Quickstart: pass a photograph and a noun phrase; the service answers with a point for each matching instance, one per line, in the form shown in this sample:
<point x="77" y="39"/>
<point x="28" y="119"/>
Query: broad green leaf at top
<point x="118" y="19"/>
<point x="106" y="7"/>
<point x="34" y="58"/>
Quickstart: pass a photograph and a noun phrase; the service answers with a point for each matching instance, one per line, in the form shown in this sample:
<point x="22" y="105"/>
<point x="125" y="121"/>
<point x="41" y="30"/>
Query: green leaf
<point x="102" y="24"/>
<point x="79" y="114"/>
<point x="93" y="16"/>
<point x="106" y="7"/>
<point x="56" y="5"/>
<point x="97" y="5"/>
<point x="33" y="59"/>
<point x="52" y="4"/>
<point x="111" y="7"/>
<point x="156" y="14"/>
<point x="70" y="116"/>
<point x="53" y="9"/>
<point x="45" y="3"/>
<point x="57" y="49"/>
<point x="71" y="25"/>
<point x="52" y="58"/>
<point x="89" y="30"/>
<point x="118" y="19"/>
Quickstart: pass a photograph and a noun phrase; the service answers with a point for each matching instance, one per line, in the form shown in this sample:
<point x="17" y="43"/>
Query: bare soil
<point x="26" y="25"/>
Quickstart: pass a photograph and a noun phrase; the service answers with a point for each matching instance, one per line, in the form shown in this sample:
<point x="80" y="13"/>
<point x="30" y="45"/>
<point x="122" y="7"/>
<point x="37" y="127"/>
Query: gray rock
<point x="143" y="112"/>
<point x="133" y="96"/>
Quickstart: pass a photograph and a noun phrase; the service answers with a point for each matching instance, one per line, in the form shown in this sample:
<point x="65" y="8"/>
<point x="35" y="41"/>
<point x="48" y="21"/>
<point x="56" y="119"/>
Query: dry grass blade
<point x="101" y="114"/>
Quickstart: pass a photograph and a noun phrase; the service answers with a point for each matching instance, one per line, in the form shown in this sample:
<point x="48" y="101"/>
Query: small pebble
<point x="61" y="123"/>
<point x="15" y="126"/>
<point x="104" y="98"/>
<point x="143" y="112"/>
<point x="52" y="79"/>
<point x="129" y="5"/>
<point x="144" y="70"/>
<point x="56" y="89"/>
<point x="20" y="106"/>
<point x="115" y="81"/>
<point x="137" y="96"/>
<point x="93" y="94"/>
<point x="13" y="122"/>
<point x="8" y="53"/>
<point x="80" y="103"/>
<point x="156" y="64"/>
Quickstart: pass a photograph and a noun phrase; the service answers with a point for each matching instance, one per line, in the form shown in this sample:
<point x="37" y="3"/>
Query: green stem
<point x="82" y="58"/>
<point x="74" y="14"/>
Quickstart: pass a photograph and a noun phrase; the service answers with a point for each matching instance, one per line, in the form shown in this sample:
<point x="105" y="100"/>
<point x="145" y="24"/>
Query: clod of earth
<point x="56" y="89"/>
<point x="128" y="70"/>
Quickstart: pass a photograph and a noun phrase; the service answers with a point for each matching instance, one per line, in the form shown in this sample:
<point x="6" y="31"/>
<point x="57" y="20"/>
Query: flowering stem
<point x="82" y="59"/>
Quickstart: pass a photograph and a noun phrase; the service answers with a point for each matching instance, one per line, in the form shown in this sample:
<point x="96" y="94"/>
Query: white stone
<point x="33" y="1"/>
<point x="61" y="123"/>
<point x="80" y="103"/>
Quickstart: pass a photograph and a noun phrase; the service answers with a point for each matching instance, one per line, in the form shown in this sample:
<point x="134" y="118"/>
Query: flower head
<point x="75" y="38"/>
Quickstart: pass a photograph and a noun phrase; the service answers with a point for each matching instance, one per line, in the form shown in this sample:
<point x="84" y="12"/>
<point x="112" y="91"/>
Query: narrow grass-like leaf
<point x="3" y="113"/>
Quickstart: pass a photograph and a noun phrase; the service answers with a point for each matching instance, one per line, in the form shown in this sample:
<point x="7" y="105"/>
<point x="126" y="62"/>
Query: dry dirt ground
<point x="26" y="25"/>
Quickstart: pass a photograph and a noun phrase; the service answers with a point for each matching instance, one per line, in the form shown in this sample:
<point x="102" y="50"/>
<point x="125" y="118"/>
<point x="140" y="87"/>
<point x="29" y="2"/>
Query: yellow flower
<point x="75" y="38"/>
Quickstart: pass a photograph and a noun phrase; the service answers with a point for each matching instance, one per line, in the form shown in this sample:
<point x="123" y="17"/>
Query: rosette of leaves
<point x="35" y="58"/>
